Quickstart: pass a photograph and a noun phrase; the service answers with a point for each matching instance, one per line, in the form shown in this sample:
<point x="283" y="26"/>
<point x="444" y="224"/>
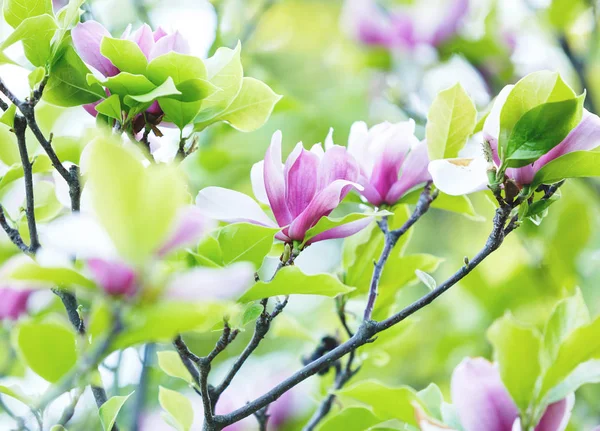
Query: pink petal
<point x="144" y="38"/>
<point x="159" y="33"/>
<point x="155" y="109"/>
<point x="522" y="175"/>
<point x="450" y="25"/>
<point x="387" y="166"/>
<point x="322" y="204"/>
<point x="171" y="43"/>
<point x="337" y="164"/>
<point x="87" y="37"/>
<point x="585" y="136"/>
<point x="369" y="192"/>
<point x="211" y="283"/>
<point x="301" y="181"/>
<point x="274" y="181"/>
<point x="481" y="400"/>
<point x="342" y="231"/>
<point x="190" y="226"/>
<point x="414" y="172"/>
<point x="115" y="277"/>
<point x="557" y="415"/>
<point x="13" y="302"/>
<point x="90" y="108"/>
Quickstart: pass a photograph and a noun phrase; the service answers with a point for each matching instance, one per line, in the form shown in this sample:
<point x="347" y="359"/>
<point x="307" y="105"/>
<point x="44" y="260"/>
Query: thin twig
<point x="13" y="234"/>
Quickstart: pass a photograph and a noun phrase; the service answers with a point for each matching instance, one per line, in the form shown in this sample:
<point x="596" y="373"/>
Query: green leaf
<point x="167" y="88"/>
<point x="250" y="109"/>
<point x="111" y="107"/>
<point x="433" y="399"/>
<point x="209" y="253"/>
<point x="517" y="350"/>
<point x="8" y="118"/>
<point x="171" y="364"/>
<point x="533" y="90"/>
<point x="67" y="85"/>
<point x="585" y="373"/>
<point x="576" y="164"/>
<point x="179" y="67"/>
<point x="386" y="402"/>
<point x="562" y="13"/>
<point x="245" y="242"/>
<point x="47" y="206"/>
<point x="291" y="281"/>
<point x="16" y="393"/>
<point x="195" y="90"/>
<point x="181" y="110"/>
<point x="48" y="348"/>
<point x="178" y="407"/>
<point x="350" y="419"/>
<point x="110" y="410"/>
<point x="541" y="129"/>
<point x="140" y="216"/>
<point x="46" y="277"/>
<point x="36" y="76"/>
<point x="58" y="428"/>
<point x="125" y="84"/>
<point x="16" y="11"/>
<point x="124" y="54"/>
<point x="161" y="322"/>
<point x="327" y="223"/>
<point x="225" y="71"/>
<point x="450" y="121"/>
<point x="36" y="33"/>
<point x="251" y="313"/>
<point x="426" y="279"/>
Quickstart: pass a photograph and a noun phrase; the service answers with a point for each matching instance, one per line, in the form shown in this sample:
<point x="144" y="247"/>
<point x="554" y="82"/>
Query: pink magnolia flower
<point x="392" y="160"/>
<point x="13" y="302"/>
<point x="308" y="187"/>
<point x="88" y="36"/>
<point x="429" y="22"/>
<point x="467" y="175"/>
<point x="484" y="404"/>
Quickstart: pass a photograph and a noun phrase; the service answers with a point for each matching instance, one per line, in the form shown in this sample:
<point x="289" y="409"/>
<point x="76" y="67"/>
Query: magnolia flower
<point x="310" y="186"/>
<point x="88" y="36"/>
<point x="483" y="403"/>
<point x="13" y="302"/>
<point x="392" y="160"/>
<point x="81" y="236"/>
<point x="467" y="175"/>
<point x="429" y="22"/>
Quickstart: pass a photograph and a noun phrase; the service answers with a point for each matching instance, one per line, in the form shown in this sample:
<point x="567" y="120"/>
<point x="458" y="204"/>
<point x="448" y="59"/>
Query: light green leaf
<point x="532" y="90"/>
<point x="352" y="418"/>
<point x="140" y="216"/>
<point x="125" y="54"/>
<point x="125" y="84"/>
<point x="251" y="108"/>
<point x="209" y="253"/>
<point x="47" y="206"/>
<point x="67" y="85"/>
<point x="225" y="71"/>
<point x="58" y="428"/>
<point x="178" y="407"/>
<point x="585" y="373"/>
<point x="48" y="348"/>
<point x="576" y="164"/>
<point x="385" y="401"/>
<point x="562" y="13"/>
<point x="16" y="11"/>
<point x="171" y="364"/>
<point x="111" y="107"/>
<point x="517" y="350"/>
<point x="291" y="281"/>
<point x="245" y="242"/>
<point x="46" y="276"/>
<point x="110" y="410"/>
<point x="426" y="279"/>
<point x="36" y="34"/>
<point x="251" y="313"/>
<point x="181" y="110"/>
<point x="40" y="164"/>
<point x="36" y="76"/>
<point x="541" y="129"/>
<point x="327" y="223"/>
<point x="17" y="393"/>
<point x="8" y="118"/>
<point x="433" y="399"/>
<point x="179" y="67"/>
<point x="167" y="88"/>
<point x="450" y="121"/>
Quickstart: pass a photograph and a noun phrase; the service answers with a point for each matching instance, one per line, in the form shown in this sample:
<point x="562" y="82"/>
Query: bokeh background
<point x="332" y="72"/>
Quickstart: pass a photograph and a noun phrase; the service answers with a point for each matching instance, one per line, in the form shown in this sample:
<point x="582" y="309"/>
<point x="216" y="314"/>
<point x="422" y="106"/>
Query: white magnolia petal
<point x="329" y="139"/>
<point x="257" y="177"/>
<point x="491" y="126"/>
<point x="459" y="176"/>
<point x="77" y="235"/>
<point x="231" y="206"/>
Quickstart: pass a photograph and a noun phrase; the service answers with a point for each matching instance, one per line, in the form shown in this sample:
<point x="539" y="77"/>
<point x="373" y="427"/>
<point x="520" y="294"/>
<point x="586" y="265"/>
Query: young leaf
<point x="47" y="205"/>
<point x="8" y="118"/>
<point x="36" y="76"/>
<point x="36" y="34"/>
<point x="291" y="281"/>
<point x="125" y="84"/>
<point x="47" y="276"/>
<point x="245" y="242"/>
<point x="517" y="350"/>
<point x="250" y="109"/>
<point x="178" y="407"/>
<point x="576" y="164"/>
<point x="125" y="54"/>
<point x="541" y="129"/>
<point x="16" y="11"/>
<point x="179" y="67"/>
<point x="167" y="88"/>
<point x="111" y="107"/>
<point x="67" y="85"/>
<point x="48" y="348"/>
<point x="251" y="313"/>
<point x="171" y="364"/>
<point x="426" y="279"/>
<point x="353" y="418"/>
<point x="450" y="121"/>
<point x="110" y="409"/>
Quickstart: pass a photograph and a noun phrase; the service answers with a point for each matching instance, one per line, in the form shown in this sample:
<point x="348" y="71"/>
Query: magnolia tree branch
<point x="369" y="328"/>
<point x="13" y="234"/>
